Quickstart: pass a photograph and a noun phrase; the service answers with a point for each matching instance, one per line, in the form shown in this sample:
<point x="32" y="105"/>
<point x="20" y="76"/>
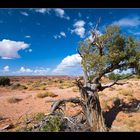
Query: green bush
<point x="39" y="116"/>
<point x="4" y="81"/>
<point x="113" y="76"/>
<point x="53" y="124"/>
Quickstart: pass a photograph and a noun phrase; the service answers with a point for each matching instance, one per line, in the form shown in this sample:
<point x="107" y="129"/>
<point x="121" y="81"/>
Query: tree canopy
<point x="104" y="53"/>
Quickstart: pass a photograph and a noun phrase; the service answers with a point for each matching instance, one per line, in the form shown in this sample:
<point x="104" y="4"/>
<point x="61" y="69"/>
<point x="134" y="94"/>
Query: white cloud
<point x="63" y="34"/>
<point x="70" y="65"/>
<point x="9" y="49"/>
<point x="61" y="13"/>
<point x="79" y="28"/>
<point x="56" y="36"/>
<point x="41" y="71"/>
<point x="24" y="13"/>
<point x="25" y="70"/>
<point x="137" y="33"/>
<point x="79" y="23"/>
<point x="90" y="24"/>
<point x="37" y="71"/>
<point x="30" y="50"/>
<point x="27" y="36"/>
<point x="6" y="69"/>
<point x="43" y="10"/>
<point x="134" y="21"/>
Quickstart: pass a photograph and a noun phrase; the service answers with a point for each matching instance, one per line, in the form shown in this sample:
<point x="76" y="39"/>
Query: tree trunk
<point x="92" y="108"/>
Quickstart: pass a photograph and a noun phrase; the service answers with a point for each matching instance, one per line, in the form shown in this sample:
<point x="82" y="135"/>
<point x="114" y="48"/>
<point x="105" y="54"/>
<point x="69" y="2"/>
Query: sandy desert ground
<point x="23" y="100"/>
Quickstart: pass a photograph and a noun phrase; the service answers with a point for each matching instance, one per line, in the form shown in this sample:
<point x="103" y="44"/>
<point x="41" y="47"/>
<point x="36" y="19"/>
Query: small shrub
<point x="116" y="101"/>
<point x="39" y="116"/>
<point x="118" y="120"/>
<point x="105" y="105"/>
<point x="1" y="118"/>
<point x="130" y="123"/>
<point x="18" y="86"/>
<point x="75" y="89"/>
<point x="46" y="94"/>
<point x="43" y="88"/>
<point x="13" y="100"/>
<point x="61" y="87"/>
<point x="53" y="125"/>
<point x="4" y="81"/>
<point x="126" y="92"/>
<point x="61" y="81"/>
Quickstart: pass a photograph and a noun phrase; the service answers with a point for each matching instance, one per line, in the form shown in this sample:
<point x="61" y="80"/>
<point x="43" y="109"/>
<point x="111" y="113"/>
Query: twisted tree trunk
<point x="91" y="107"/>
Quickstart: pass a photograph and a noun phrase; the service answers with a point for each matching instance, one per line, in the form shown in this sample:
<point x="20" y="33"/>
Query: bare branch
<point x="114" y="83"/>
<point x="60" y="102"/>
<point x="108" y="86"/>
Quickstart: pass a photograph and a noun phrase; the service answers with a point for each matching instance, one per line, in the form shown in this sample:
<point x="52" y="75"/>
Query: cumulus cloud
<point x="58" y="12"/>
<point x="6" y="69"/>
<point x="79" y="28"/>
<point x="37" y="71"/>
<point x="132" y="22"/>
<point x="70" y="65"/>
<point x="41" y="71"/>
<point x="25" y="70"/>
<point x="61" y="13"/>
<point x="9" y="49"/>
<point x="24" y="13"/>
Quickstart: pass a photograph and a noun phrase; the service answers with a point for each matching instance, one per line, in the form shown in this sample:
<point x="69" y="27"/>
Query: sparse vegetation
<point x="46" y="94"/>
<point x="39" y="116"/>
<point x="75" y="89"/>
<point x="53" y="125"/>
<point x="126" y="92"/>
<point x="13" y="100"/>
<point x="18" y="86"/>
<point x="4" y="81"/>
<point x="130" y="123"/>
<point x="1" y="118"/>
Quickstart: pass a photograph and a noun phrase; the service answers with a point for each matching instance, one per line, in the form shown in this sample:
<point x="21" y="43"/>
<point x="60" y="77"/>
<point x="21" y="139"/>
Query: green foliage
<point x="53" y="125"/>
<point x="110" y="51"/>
<point x="39" y="116"/>
<point x="113" y="76"/>
<point x="4" y="81"/>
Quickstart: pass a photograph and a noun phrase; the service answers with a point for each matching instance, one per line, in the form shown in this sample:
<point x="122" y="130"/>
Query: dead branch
<point x="60" y="102"/>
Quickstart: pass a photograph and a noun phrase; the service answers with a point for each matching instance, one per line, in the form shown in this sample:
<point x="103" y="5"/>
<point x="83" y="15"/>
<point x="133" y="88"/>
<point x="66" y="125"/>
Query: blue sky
<point x="44" y="41"/>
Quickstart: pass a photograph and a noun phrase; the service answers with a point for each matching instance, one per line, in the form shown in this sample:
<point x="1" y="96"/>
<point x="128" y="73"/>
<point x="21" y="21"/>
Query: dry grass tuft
<point x="13" y="100"/>
<point x="46" y="94"/>
<point x="126" y="92"/>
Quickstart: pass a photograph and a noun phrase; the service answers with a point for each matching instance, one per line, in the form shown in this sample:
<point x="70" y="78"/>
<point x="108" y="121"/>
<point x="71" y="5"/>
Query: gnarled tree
<point x="101" y="55"/>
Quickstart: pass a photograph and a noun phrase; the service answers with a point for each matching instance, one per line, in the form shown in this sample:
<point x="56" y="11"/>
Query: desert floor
<point x="22" y="100"/>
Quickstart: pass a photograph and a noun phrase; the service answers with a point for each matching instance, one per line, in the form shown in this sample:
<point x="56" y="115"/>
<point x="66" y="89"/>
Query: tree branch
<point x="114" y="83"/>
<point x="58" y="103"/>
